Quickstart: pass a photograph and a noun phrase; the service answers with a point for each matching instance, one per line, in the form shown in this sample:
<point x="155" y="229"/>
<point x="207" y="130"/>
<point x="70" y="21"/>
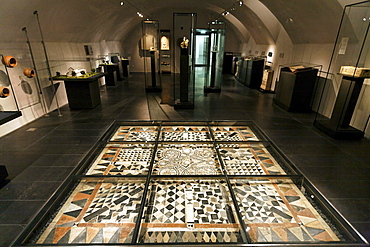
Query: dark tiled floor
<point x="38" y="161"/>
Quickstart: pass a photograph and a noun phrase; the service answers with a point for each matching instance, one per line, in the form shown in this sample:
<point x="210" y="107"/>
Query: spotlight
<point x="122" y="3"/>
<point x="240" y="3"/>
<point x="140" y="14"/>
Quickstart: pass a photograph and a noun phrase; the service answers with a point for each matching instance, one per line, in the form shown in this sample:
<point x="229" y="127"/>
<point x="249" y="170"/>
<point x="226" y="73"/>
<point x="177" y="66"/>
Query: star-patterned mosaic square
<point x="96" y="212"/>
<point x="135" y="133"/>
<point x="277" y="211"/>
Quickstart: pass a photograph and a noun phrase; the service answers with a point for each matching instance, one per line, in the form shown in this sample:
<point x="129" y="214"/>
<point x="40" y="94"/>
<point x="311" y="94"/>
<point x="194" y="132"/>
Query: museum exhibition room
<point x="185" y="123"/>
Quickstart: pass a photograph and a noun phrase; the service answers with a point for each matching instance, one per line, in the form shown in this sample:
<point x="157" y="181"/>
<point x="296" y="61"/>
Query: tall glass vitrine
<point x="343" y="111"/>
<point x="150" y="54"/>
<point x="217" y="43"/>
<point x="184" y="25"/>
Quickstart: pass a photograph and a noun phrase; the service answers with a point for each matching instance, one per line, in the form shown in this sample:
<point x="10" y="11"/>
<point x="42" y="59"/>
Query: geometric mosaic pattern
<point x="135" y="133"/>
<point x="178" y="209"/>
<point x="186" y="159"/>
<point x="92" y="207"/>
<point x="276" y="211"/>
<point x="124" y="159"/>
<point x="104" y="208"/>
<point x="185" y="133"/>
<point x="249" y="159"/>
<point x="232" y="133"/>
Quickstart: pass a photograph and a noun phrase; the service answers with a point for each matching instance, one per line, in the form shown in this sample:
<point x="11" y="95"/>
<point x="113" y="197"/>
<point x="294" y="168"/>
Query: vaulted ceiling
<point x="305" y="21"/>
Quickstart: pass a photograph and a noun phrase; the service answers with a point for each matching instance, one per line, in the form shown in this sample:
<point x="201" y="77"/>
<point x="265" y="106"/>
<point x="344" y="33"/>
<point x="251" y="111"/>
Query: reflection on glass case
<point x="150" y="53"/>
<point x="189" y="183"/>
<point x="9" y="108"/>
<point x="183" y="51"/>
<point x="343" y="111"/>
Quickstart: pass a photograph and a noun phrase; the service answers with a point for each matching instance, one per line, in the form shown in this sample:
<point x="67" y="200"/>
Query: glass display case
<point x="150" y="53"/>
<point x="187" y="183"/>
<point x="9" y="108"/>
<point x="216" y="56"/>
<point x="296" y="85"/>
<point x="346" y="113"/>
<point x="184" y="25"/>
<point x="250" y="71"/>
<point x="165" y="51"/>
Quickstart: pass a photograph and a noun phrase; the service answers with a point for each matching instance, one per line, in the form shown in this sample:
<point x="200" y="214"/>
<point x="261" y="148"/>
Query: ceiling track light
<point x="232" y="8"/>
<point x="139" y="12"/>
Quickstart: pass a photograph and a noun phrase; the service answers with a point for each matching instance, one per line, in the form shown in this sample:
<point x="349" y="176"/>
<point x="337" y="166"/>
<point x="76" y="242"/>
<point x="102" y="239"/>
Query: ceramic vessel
<point x="4" y="92"/>
<point x="10" y="61"/>
<point x="29" y="72"/>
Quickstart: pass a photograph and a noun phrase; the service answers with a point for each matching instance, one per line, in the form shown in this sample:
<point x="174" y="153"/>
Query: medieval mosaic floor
<point x="186" y="184"/>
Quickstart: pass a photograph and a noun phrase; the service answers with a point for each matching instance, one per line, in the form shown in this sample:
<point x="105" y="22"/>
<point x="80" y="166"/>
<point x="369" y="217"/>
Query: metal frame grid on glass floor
<point x="187" y="183"/>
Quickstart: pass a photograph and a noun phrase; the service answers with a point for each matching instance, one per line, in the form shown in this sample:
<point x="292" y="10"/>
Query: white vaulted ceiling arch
<point x="305" y="21"/>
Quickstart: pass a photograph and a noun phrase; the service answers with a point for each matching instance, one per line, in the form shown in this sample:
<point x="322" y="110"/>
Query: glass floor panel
<point x="135" y="133"/>
<point x="201" y="183"/>
<point x="96" y="212"/>
<point x="189" y="211"/>
<point x="249" y="159"/>
<point x="185" y="133"/>
<point x="186" y="159"/>
<point x="123" y="159"/>
<point x="234" y="133"/>
<point x="277" y="211"/>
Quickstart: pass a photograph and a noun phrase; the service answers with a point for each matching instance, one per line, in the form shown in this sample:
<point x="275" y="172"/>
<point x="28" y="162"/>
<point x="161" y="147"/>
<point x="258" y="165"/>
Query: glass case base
<point x="153" y="89"/>
<point x="183" y="105"/>
<point x="339" y="133"/>
<point x="212" y="89"/>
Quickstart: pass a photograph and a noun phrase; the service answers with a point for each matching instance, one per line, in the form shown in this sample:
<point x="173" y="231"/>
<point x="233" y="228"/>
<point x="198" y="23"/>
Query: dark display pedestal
<point x="295" y="90"/>
<point x="125" y="63"/>
<point x="254" y="73"/>
<point x="212" y="88"/>
<point x="338" y="125"/>
<point x="227" y="67"/>
<point x="184" y="102"/>
<point x="3" y="175"/>
<point x="153" y="87"/>
<point x="111" y="74"/>
<point x="82" y="92"/>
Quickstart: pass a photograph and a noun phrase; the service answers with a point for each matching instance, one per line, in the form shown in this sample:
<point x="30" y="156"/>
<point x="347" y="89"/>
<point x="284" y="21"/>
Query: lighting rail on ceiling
<point x="139" y="12"/>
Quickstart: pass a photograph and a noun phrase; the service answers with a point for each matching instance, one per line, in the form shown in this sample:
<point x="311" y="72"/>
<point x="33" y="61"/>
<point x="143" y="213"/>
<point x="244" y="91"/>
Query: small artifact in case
<point x="355" y="71"/>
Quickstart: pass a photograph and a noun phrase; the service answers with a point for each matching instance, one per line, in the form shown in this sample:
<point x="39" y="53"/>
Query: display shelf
<point x="165" y="51"/>
<point x="188" y="185"/>
<point x="6" y="116"/>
